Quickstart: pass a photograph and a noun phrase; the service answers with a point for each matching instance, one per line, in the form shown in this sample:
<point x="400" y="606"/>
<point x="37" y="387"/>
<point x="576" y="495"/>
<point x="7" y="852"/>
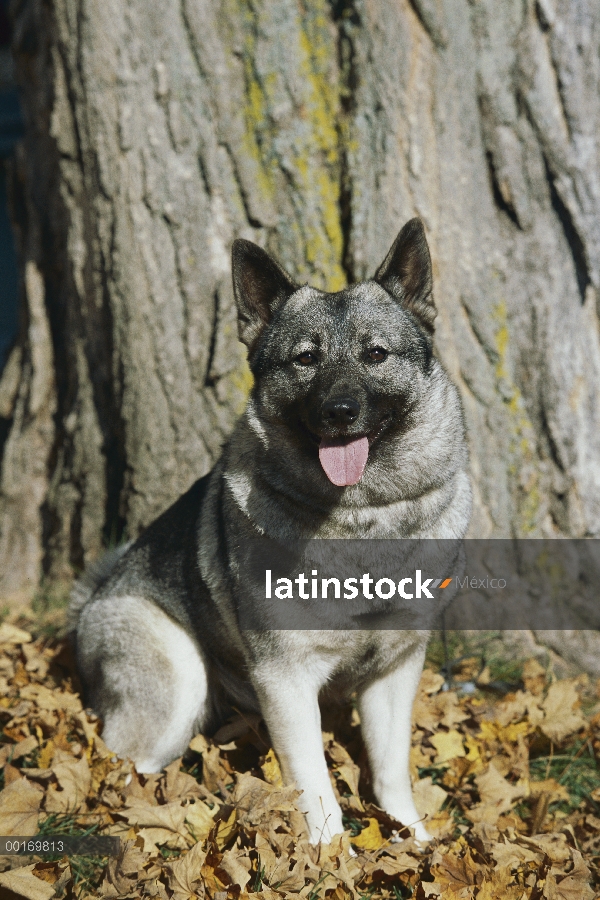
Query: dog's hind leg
<point x="385" y="709"/>
<point x="144" y="676"/>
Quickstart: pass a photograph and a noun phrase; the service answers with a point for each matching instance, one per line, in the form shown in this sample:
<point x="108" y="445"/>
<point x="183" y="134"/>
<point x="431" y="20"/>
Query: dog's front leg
<point x="290" y="706"/>
<point x="385" y="708"/>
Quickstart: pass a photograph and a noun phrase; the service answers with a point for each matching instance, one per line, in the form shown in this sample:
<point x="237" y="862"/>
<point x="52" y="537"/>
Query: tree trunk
<point x="157" y="133"/>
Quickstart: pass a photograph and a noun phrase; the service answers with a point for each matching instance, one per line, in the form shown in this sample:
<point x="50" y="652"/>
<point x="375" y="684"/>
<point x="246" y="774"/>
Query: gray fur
<point x="177" y="586"/>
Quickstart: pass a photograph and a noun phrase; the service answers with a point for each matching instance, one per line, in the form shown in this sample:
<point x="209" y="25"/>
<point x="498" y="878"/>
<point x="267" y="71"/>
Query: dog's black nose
<point x="340" y="411"/>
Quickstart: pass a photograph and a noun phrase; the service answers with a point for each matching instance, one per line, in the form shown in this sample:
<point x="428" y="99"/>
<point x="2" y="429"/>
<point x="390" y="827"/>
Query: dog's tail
<point x="93" y="578"/>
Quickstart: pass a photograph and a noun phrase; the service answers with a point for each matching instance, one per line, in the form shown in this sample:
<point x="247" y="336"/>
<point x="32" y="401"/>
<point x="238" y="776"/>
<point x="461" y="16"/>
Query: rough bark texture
<point x="159" y="132"/>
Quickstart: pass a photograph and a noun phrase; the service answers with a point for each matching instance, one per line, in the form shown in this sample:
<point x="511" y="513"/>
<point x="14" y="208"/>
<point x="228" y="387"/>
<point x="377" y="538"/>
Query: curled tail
<point x="93" y="578"/>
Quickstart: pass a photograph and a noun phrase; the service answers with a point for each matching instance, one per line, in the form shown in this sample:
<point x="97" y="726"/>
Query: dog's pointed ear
<point x="406" y="273"/>
<point x="260" y="285"/>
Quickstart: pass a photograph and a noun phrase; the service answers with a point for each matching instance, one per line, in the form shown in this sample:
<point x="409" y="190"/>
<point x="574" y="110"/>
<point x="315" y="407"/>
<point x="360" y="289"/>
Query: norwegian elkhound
<point x="353" y="430"/>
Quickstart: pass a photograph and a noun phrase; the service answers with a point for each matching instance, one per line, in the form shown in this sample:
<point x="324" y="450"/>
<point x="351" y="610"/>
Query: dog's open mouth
<point x="343" y="458"/>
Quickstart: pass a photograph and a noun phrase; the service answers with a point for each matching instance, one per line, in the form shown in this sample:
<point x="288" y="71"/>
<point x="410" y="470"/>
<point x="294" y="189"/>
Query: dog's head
<point x="340" y="372"/>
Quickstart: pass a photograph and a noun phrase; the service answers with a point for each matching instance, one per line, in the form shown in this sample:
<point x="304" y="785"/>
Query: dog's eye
<point x="306" y="359"/>
<point x="377" y="354"/>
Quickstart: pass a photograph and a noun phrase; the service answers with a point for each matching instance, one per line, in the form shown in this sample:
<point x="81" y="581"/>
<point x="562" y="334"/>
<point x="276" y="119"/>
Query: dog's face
<point x="339" y="372"/>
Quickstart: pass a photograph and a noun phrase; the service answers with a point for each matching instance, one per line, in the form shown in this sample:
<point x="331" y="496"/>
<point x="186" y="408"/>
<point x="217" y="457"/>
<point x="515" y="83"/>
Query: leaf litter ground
<point x="508" y="784"/>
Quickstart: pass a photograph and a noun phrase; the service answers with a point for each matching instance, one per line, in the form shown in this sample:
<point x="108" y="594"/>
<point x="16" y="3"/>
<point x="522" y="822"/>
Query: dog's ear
<point x="406" y="273"/>
<point x="260" y="286"/>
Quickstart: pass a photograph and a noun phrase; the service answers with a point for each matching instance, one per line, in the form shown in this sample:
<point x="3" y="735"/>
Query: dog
<point x="353" y="430"/>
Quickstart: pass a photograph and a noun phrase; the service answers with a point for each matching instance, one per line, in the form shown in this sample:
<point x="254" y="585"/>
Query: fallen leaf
<point x="574" y="886"/>
<point x="429" y="798"/>
<point x="270" y="769"/>
<point x="370" y="837"/>
<point x="431" y="682"/>
<point x="20" y="808"/>
<point x="199" y="744"/>
<point x="178" y="785"/>
<point x="225" y="830"/>
<point x="122" y="871"/>
<point x="561" y="718"/>
<point x="549" y="786"/>
<point x="24" y="883"/>
<point x="185" y="873"/>
<point x="237" y="864"/>
<point x="13" y="752"/>
<point x="10" y="634"/>
<point x="200" y="819"/>
<point x="497" y="796"/>
<point x="74" y="780"/>
<point x="448" y="744"/>
<point x="169" y="816"/>
<point x="534" y="677"/>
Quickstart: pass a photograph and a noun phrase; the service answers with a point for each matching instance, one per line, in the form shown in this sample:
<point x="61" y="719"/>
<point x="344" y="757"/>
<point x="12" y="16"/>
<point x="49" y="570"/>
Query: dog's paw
<point x="422" y="836"/>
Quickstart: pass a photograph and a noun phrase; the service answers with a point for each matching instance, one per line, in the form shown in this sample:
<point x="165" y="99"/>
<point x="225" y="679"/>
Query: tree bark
<point x="157" y="133"/>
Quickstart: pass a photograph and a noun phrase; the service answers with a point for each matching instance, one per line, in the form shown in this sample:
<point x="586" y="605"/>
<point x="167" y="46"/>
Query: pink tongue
<point x="344" y="461"/>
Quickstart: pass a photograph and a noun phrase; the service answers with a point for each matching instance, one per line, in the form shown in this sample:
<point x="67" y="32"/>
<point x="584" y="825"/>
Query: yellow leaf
<point x="473" y="753"/>
<point x="370" y="837"/>
<point x="225" y="830"/>
<point x="199" y="819"/>
<point x="270" y="769"/>
<point x="46" y="754"/>
<point x="449" y="745"/>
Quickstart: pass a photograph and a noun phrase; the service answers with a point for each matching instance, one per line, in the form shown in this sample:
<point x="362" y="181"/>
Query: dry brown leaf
<point x="10" y="634"/>
<point x="50" y="700"/>
<point x="549" y="786"/>
<point x="178" y="785"/>
<point x="214" y="771"/>
<point x="185" y="872"/>
<point x="199" y="744"/>
<point x="74" y="780"/>
<point x="24" y="883"/>
<point x="574" y="886"/>
<point x="123" y="871"/>
<point x="497" y="796"/>
<point x="534" y="677"/>
<point x="169" y="816"/>
<point x="552" y="845"/>
<point x="452" y="871"/>
<point x="561" y="717"/>
<point x="20" y="808"/>
<point x="13" y="752"/>
<point x="429" y="798"/>
<point x="450" y="711"/>
<point x="499" y="885"/>
<point x="431" y="682"/>
<point x="238" y="866"/>
<point x="163" y="837"/>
